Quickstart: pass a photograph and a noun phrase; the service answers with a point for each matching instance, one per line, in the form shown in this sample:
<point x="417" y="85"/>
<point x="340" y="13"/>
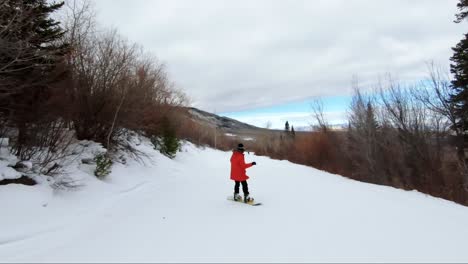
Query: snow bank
<point x="6" y="161"/>
<point x="7" y="173"/>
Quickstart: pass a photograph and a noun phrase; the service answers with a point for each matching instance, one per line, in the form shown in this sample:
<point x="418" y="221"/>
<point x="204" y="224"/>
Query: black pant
<point x="245" y="187"/>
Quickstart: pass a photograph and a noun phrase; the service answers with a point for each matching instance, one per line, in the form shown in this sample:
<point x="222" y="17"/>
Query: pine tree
<point x="30" y="52"/>
<point x="363" y="130"/>
<point x="459" y="97"/>
<point x="293" y="133"/>
<point x="371" y="118"/>
<point x="30" y="45"/>
<point x="170" y="144"/>
<point x="463" y="7"/>
<point x="286" y="126"/>
<point x="459" y="69"/>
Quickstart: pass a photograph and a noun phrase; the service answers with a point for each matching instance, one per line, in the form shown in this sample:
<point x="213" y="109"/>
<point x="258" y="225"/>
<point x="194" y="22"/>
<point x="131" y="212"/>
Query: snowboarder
<point x="238" y="167"/>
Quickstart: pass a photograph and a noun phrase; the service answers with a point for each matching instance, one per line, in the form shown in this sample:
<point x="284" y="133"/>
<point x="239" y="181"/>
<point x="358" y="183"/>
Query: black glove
<point x="254" y="163"/>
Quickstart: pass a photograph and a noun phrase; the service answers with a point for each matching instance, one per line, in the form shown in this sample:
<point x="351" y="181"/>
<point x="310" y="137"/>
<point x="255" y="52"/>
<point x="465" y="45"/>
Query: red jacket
<point x="238" y="166"/>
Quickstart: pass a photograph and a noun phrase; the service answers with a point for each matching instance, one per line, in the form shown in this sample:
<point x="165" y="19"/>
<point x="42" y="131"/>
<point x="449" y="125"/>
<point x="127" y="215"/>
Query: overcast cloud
<point x="238" y="55"/>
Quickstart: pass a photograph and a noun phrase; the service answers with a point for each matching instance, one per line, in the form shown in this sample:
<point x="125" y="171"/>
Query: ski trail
<point x="176" y="211"/>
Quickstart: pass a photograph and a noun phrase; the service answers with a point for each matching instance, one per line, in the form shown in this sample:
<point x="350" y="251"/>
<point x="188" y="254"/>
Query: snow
<point x="244" y="138"/>
<point x="176" y="211"/>
<point x="8" y="173"/>
<point x="6" y="161"/>
<point x="4" y="142"/>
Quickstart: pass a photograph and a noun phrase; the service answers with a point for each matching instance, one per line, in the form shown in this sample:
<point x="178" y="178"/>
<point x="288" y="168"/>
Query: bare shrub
<point x="410" y="119"/>
<point x="116" y="86"/>
<point x="195" y="132"/>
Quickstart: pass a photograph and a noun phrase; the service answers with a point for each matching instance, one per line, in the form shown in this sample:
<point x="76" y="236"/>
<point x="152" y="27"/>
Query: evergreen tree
<point x="463" y="7"/>
<point x="459" y="69"/>
<point x="371" y="118"/>
<point x="363" y="130"/>
<point x="286" y="126"/>
<point x="30" y="45"/>
<point x="170" y="144"/>
<point x="30" y="52"/>
<point x="293" y="133"/>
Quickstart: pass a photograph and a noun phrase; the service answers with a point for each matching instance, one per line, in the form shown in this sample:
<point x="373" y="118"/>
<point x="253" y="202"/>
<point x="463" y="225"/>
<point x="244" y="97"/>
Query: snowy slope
<point x="176" y="211"/>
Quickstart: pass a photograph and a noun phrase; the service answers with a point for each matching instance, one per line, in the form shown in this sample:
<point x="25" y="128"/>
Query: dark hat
<point x="240" y="147"/>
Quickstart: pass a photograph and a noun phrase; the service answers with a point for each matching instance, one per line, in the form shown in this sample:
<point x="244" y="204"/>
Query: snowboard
<point x="252" y="203"/>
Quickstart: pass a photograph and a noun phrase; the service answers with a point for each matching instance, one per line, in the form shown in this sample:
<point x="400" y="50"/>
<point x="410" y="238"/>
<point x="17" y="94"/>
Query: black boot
<point x="237" y="197"/>
<point x="248" y="199"/>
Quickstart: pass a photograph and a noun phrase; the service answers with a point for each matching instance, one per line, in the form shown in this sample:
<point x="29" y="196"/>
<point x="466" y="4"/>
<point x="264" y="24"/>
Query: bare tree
<point x="435" y="95"/>
<point x="411" y="119"/>
<point x="110" y="77"/>
<point x="318" y="115"/>
<point x="78" y="18"/>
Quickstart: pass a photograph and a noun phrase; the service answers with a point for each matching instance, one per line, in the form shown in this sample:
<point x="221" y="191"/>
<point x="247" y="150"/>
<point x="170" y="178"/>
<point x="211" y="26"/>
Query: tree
<point x="110" y="77"/>
<point x="436" y="96"/>
<point x="286" y="126"/>
<point x="463" y="7"/>
<point x="459" y="69"/>
<point x="29" y="37"/>
<point x="318" y="115"/>
<point x="363" y="134"/>
<point x="371" y="118"/>
<point x="293" y="133"/>
<point x="169" y="145"/>
<point x="31" y="56"/>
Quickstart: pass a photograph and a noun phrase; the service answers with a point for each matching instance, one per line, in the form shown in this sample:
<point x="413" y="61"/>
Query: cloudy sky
<point x="246" y="58"/>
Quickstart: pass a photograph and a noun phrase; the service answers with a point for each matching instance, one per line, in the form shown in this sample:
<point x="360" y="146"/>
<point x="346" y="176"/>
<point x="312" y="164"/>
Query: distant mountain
<point x="227" y="124"/>
<point x="235" y="128"/>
